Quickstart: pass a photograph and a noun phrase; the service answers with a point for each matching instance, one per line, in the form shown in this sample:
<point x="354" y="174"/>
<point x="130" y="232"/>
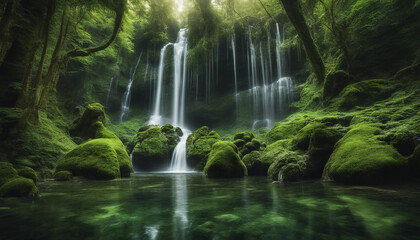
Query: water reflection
<point x="180" y="201"/>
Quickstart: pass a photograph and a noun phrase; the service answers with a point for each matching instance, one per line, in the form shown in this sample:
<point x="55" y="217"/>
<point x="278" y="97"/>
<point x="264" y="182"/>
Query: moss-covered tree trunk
<point x="294" y="12"/>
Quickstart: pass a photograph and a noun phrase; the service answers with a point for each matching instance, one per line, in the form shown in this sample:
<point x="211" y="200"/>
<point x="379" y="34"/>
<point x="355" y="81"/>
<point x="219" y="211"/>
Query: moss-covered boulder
<point x="13" y="185"/>
<point x="154" y="147"/>
<point x="359" y="158"/>
<point x="321" y="146"/>
<point x="63" y="176"/>
<point x="285" y="158"/>
<point x="246" y="143"/>
<point x="287" y="128"/>
<point x="302" y="138"/>
<point x="274" y="151"/>
<point x="224" y="162"/>
<point x="27" y="172"/>
<point x="84" y="126"/>
<point x="7" y="172"/>
<point x="255" y="165"/>
<point x="364" y="93"/>
<point x="199" y="145"/>
<point x="291" y="172"/>
<point x="19" y="187"/>
<point x="102" y="158"/>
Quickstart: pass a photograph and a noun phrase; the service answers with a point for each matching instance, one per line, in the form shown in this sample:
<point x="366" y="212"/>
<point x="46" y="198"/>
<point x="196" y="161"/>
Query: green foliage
<point x="224" y="162"/>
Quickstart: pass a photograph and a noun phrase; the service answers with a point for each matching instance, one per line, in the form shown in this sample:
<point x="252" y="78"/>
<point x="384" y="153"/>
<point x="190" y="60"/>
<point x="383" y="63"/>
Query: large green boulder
<point x="13" y="185"/>
<point x="199" y="145"/>
<point x="283" y="159"/>
<point x="224" y="162"/>
<point x="359" y="158"/>
<point x="274" y="151"/>
<point x="7" y="172"/>
<point x="84" y="126"/>
<point x="19" y="187"/>
<point x="255" y="164"/>
<point x="154" y="147"/>
<point x="364" y="93"/>
<point x="287" y="128"/>
<point x="291" y="172"/>
<point x="102" y="158"/>
<point x="27" y="172"/>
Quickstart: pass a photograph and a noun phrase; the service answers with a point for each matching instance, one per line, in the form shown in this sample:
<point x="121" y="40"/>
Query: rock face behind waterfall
<point x="225" y="162"/>
<point x="154" y="147"/>
<point x="199" y="145"/>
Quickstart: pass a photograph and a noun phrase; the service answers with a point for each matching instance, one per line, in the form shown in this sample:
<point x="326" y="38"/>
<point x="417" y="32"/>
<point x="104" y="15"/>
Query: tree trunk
<point x="294" y="12"/>
<point x="5" y="24"/>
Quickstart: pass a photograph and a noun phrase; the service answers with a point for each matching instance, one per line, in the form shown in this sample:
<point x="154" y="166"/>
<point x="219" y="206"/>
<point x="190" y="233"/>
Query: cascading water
<point x="156" y="118"/>
<point x="179" y="157"/>
<point x="234" y="71"/>
<point x="125" y="105"/>
<point x="109" y="91"/>
<point x="270" y="99"/>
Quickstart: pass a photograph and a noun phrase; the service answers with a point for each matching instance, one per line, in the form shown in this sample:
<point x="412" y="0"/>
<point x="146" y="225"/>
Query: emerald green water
<point x="190" y="206"/>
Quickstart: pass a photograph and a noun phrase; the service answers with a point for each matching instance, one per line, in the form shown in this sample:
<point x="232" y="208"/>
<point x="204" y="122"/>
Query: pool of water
<point x="190" y="206"/>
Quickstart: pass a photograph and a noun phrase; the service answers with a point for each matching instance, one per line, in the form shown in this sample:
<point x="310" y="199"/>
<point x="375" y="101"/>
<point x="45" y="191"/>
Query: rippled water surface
<point x="189" y="206"/>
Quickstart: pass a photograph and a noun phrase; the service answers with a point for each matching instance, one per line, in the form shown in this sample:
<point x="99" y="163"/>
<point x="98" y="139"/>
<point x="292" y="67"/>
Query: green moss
<point x="287" y="128"/>
<point x="301" y="139"/>
<point x="255" y="165"/>
<point x="151" y="152"/>
<point x="199" y="145"/>
<point x="85" y="125"/>
<point x="291" y="172"/>
<point x="334" y="83"/>
<point x="171" y="134"/>
<point x="19" y="187"/>
<point x="27" y="172"/>
<point x="282" y="160"/>
<point x="99" y="159"/>
<point x="7" y="172"/>
<point x="364" y="93"/>
<point x="41" y="145"/>
<point x="224" y="161"/>
<point x="320" y="148"/>
<point x="102" y="132"/>
<point x="359" y="158"/>
<point x="246" y="136"/>
<point x="404" y="113"/>
<point x="63" y="176"/>
<point x="275" y="150"/>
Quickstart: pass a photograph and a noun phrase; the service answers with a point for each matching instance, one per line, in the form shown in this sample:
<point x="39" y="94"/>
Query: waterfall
<point x="278" y="57"/>
<point x="234" y="72"/>
<point x="270" y="97"/>
<point x="109" y="91"/>
<point x="179" y="157"/>
<point x="125" y="105"/>
<point x="156" y="118"/>
<point x="180" y="64"/>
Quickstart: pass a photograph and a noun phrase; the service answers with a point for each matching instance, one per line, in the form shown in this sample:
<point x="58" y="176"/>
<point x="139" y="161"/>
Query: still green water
<point x="190" y="206"/>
